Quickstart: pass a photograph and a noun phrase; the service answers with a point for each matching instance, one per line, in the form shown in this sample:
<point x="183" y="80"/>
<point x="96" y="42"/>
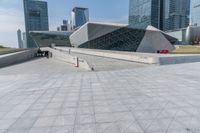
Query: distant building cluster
<point x="79" y="16"/>
<point x="179" y="18"/>
<point x="172" y="16"/>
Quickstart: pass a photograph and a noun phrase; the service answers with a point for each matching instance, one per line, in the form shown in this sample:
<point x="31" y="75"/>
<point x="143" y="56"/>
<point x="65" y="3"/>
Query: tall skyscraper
<point x="80" y="16"/>
<point x="176" y="14"/>
<point x="162" y="14"/>
<point x="144" y="12"/>
<point x="194" y="13"/>
<point x="65" y="22"/>
<point x="24" y="40"/>
<point x="19" y="37"/>
<point x="64" y="26"/>
<point x="36" y="18"/>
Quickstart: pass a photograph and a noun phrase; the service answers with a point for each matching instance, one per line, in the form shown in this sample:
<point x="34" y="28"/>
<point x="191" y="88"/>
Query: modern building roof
<point x="109" y="36"/>
<point x="112" y="36"/>
<point x="92" y="30"/>
<point x="79" y="8"/>
<point x="52" y="32"/>
<point x="46" y="38"/>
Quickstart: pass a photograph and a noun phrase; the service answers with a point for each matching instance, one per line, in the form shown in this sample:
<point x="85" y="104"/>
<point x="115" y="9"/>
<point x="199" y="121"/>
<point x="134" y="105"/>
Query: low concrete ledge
<point x="65" y="57"/>
<point x="147" y="58"/>
<point x="128" y="56"/>
<point x="18" y="57"/>
<point x="179" y="59"/>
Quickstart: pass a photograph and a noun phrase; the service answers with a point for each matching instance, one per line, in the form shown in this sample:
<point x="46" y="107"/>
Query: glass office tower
<point x="80" y="16"/>
<point x="145" y="12"/>
<point x="162" y="14"/>
<point x="175" y="14"/>
<point x="36" y="18"/>
<point x="195" y="11"/>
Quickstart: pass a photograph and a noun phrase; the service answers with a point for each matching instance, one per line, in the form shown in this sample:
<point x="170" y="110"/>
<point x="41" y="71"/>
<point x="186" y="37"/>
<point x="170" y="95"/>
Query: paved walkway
<point x="40" y="66"/>
<point x="38" y="98"/>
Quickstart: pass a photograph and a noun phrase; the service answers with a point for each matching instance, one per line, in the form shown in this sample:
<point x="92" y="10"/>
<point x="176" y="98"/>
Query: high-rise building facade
<point x="175" y="14"/>
<point x="144" y="12"/>
<point x="80" y="16"/>
<point x="194" y="13"/>
<point x="24" y="40"/>
<point x="162" y="14"/>
<point x="19" y="37"/>
<point x="36" y="18"/>
<point x="64" y="26"/>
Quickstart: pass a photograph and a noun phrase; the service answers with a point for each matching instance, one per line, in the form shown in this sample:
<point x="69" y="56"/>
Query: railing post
<point x="76" y="61"/>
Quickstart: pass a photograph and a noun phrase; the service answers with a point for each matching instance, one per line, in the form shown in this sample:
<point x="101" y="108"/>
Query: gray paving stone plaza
<point x="48" y="96"/>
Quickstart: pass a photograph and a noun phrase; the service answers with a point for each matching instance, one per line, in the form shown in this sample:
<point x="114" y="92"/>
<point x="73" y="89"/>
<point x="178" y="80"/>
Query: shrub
<point x="1" y="46"/>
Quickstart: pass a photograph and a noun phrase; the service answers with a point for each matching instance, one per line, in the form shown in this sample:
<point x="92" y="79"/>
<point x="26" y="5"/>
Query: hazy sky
<point x="12" y="16"/>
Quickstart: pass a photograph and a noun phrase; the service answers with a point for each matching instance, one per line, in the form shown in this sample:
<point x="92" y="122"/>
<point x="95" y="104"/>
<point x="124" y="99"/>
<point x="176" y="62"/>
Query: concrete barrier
<point x="66" y="57"/>
<point x="128" y="56"/>
<point x="147" y="58"/>
<point x="18" y="57"/>
<point x="179" y="59"/>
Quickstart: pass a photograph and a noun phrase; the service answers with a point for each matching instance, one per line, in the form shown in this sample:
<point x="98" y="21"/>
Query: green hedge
<point x="1" y="46"/>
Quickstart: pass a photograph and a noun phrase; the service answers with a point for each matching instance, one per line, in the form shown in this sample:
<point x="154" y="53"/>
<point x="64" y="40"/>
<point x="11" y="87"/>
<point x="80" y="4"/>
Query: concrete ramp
<point x="65" y="57"/>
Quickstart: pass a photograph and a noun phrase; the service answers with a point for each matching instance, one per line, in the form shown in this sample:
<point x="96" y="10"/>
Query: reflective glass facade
<point x="80" y="16"/>
<point x="195" y="11"/>
<point x="144" y="12"/>
<point x="162" y="14"/>
<point x="124" y="39"/>
<point x="36" y="18"/>
<point x="175" y="14"/>
<point x="46" y="39"/>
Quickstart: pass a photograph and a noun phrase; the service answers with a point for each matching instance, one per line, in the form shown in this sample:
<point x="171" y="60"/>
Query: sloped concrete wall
<point x="147" y="58"/>
<point x="80" y="36"/>
<point x="91" y="31"/>
<point x="154" y="41"/>
<point x="66" y="57"/>
<point x="18" y="57"/>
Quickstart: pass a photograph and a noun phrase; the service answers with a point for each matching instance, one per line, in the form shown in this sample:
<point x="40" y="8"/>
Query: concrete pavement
<point x="46" y="96"/>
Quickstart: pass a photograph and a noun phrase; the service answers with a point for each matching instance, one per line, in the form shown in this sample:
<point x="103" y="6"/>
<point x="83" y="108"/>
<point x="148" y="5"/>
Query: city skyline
<point x="177" y="15"/>
<point x="12" y="15"/>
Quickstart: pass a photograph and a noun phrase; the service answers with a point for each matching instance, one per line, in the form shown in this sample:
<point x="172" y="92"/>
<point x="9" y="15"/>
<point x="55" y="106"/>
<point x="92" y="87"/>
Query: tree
<point x="1" y="46"/>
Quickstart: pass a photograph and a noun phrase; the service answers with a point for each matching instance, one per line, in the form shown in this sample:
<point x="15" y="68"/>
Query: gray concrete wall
<point x="179" y="59"/>
<point x="154" y="41"/>
<point x="80" y="36"/>
<point x="18" y="57"/>
<point x="147" y="58"/>
<point x="66" y="57"/>
<point x="138" y="57"/>
<point x="91" y="31"/>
